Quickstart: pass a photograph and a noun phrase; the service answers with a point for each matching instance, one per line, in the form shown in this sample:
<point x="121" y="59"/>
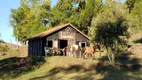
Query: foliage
<point x="86" y="15"/>
<point x="66" y="11"/>
<point x="29" y="19"/>
<point x="135" y="15"/>
<point x="110" y="29"/>
<point x="58" y="18"/>
<point x="35" y="16"/>
<point x="130" y="4"/>
<point x="91" y="9"/>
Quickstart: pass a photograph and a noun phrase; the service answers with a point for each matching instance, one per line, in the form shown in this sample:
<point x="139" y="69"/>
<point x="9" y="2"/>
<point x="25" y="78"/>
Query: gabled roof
<point x="51" y="30"/>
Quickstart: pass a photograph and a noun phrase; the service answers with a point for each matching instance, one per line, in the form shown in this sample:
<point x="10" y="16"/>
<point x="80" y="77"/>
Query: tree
<point x="136" y="15"/>
<point x="58" y="16"/>
<point x="76" y="12"/>
<point x="86" y="16"/>
<point x="91" y="8"/>
<point x="29" y="19"/>
<point x="64" y="11"/>
<point x="109" y="29"/>
<point x="130" y="4"/>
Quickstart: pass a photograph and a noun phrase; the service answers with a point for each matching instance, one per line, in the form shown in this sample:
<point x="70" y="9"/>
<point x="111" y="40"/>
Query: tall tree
<point x="109" y="29"/>
<point x="136" y="15"/>
<point x="130" y="4"/>
<point x="92" y="7"/>
<point x="28" y="19"/>
<point x="63" y="12"/>
<point x="77" y="12"/>
<point x="86" y="16"/>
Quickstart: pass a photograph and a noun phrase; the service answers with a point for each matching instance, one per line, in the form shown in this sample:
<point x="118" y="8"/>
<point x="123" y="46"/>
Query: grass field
<point x="16" y="66"/>
<point x="65" y="68"/>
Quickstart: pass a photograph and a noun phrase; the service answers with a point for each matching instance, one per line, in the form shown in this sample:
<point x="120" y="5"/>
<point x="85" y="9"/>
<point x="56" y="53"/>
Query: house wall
<point x="36" y="46"/>
<point x="58" y="35"/>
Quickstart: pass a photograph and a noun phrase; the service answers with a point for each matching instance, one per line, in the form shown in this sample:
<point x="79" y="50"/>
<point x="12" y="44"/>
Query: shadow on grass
<point x="14" y="67"/>
<point x="122" y="60"/>
<point x="107" y="71"/>
<point x="72" y="69"/>
<point x="138" y="41"/>
<point x="124" y="65"/>
<point x="126" y="58"/>
<point x="118" y="73"/>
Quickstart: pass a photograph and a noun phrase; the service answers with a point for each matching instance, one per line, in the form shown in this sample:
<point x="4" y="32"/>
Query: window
<point x="82" y="44"/>
<point x="49" y="43"/>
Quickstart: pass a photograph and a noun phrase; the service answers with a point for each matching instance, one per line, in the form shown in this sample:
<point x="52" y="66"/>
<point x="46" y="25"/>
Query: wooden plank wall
<point x="35" y="47"/>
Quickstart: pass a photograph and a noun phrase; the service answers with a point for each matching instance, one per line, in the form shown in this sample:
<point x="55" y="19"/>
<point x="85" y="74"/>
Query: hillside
<point x="11" y="50"/>
<point x="17" y="66"/>
<point x="64" y="68"/>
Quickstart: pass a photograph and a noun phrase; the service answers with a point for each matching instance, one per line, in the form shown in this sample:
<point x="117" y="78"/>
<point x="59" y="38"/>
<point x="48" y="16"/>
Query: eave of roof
<point x="52" y="30"/>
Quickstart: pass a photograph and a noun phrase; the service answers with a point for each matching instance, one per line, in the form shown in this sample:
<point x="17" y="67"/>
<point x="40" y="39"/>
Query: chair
<point x="47" y="51"/>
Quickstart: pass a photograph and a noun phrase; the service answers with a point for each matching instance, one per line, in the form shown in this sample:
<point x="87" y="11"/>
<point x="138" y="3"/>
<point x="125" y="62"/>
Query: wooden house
<point x="57" y="37"/>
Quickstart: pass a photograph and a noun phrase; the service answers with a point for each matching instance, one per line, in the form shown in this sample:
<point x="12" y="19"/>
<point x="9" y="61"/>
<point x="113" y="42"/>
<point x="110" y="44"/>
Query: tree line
<point x="35" y="16"/>
<point x="107" y="22"/>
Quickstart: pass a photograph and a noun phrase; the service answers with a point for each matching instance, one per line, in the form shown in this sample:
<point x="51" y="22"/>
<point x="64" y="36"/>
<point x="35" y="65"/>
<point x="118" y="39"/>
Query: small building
<point x="57" y="37"/>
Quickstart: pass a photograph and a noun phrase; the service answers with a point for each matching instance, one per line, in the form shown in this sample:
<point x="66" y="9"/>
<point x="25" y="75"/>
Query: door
<point x="63" y="43"/>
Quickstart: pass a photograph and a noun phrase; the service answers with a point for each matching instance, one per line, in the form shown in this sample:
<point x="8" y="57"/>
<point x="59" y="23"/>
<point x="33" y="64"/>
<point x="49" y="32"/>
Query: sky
<point x="6" y="30"/>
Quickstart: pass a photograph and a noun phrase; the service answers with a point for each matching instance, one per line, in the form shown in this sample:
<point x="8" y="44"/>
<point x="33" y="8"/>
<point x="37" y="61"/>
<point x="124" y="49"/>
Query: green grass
<point x="14" y="67"/>
<point x="65" y="68"/>
<point x="10" y="53"/>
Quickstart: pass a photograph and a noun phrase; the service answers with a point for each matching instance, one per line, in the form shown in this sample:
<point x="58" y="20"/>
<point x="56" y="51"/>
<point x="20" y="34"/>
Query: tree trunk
<point x="17" y="44"/>
<point x="109" y="58"/>
<point x="113" y="58"/>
